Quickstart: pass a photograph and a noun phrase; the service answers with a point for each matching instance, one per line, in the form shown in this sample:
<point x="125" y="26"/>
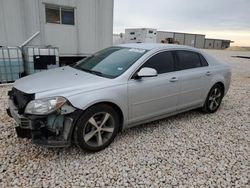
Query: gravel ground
<point x="190" y="149"/>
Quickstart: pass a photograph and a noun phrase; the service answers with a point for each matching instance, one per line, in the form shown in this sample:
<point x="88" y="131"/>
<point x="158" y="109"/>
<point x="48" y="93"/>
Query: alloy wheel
<point x="214" y="98"/>
<point x="98" y="129"/>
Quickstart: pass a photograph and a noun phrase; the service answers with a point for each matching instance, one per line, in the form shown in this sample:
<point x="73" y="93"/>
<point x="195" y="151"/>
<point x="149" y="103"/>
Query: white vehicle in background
<point x="117" y="88"/>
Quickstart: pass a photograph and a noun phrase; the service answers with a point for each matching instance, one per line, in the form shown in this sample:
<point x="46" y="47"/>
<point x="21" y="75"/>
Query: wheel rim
<point x="214" y="99"/>
<point x="99" y="129"/>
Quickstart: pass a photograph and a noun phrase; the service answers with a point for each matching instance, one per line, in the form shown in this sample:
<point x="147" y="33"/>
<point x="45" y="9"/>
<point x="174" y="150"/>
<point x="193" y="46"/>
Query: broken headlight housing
<point x="44" y="106"/>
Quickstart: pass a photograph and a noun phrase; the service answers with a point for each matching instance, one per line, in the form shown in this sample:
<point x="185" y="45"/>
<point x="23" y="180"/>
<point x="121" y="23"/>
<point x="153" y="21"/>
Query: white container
<point x="140" y="35"/>
<point x="11" y="64"/>
<point x="48" y="57"/>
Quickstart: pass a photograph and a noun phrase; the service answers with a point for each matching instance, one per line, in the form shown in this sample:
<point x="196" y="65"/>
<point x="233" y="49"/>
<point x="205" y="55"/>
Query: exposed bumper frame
<point x="27" y="127"/>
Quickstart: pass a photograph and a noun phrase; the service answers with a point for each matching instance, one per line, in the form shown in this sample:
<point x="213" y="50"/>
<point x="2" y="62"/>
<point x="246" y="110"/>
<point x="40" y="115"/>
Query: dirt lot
<point x="190" y="149"/>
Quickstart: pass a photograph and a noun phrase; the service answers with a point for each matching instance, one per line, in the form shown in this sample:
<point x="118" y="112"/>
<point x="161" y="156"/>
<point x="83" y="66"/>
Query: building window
<point x="68" y="16"/>
<point x="53" y="15"/>
<point x="60" y="15"/>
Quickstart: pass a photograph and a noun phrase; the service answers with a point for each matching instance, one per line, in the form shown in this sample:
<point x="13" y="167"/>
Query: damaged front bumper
<point x="54" y="130"/>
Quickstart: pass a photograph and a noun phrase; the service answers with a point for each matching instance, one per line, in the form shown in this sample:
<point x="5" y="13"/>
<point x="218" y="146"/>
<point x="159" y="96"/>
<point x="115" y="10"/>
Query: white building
<point x="149" y="35"/>
<point x="189" y="39"/>
<point x="140" y="35"/>
<point x="77" y="27"/>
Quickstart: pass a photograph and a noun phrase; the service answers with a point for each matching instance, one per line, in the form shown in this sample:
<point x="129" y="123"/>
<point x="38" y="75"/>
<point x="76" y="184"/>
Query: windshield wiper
<point x="91" y="71"/>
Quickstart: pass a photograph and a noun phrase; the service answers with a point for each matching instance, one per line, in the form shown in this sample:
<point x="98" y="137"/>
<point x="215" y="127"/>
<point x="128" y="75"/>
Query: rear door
<point x="194" y="78"/>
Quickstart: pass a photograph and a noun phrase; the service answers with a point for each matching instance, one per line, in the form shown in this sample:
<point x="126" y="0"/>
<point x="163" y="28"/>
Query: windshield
<point x="110" y="62"/>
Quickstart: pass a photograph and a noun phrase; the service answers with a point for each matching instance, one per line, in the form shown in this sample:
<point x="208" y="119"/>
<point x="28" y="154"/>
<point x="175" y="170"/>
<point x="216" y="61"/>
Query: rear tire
<point x="96" y="128"/>
<point x="213" y="99"/>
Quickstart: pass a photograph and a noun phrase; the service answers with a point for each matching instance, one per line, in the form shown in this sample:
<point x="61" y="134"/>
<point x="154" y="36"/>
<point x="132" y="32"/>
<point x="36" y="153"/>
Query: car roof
<point x="151" y="46"/>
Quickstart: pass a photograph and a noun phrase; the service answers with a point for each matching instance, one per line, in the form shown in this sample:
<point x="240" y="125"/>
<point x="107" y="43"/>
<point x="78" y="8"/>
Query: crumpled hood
<point x="60" y="81"/>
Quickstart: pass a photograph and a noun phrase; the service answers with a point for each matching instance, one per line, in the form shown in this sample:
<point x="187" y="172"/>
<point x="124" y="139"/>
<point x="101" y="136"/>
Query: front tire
<point x="213" y="99"/>
<point x="96" y="128"/>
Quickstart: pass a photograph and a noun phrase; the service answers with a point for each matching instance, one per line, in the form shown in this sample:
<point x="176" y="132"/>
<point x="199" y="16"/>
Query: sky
<point x="223" y="19"/>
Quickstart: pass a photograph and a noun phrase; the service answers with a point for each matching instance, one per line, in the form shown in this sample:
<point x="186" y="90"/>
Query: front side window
<point x="60" y="15"/>
<point x="162" y="62"/>
<point x="110" y="62"/>
<point x="187" y="60"/>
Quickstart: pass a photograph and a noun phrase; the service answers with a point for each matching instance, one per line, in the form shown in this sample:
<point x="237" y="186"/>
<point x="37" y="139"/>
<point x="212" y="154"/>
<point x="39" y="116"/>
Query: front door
<point x="154" y="96"/>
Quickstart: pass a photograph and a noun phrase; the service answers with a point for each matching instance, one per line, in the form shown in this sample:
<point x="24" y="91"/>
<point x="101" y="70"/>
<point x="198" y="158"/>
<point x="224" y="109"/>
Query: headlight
<point x="44" y="106"/>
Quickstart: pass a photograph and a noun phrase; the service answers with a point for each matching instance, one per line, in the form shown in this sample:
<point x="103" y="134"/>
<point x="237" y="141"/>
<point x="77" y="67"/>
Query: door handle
<point x="174" y="79"/>
<point x="208" y="73"/>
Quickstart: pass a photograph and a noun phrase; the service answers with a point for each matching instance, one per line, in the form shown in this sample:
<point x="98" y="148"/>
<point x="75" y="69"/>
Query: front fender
<point x="116" y="95"/>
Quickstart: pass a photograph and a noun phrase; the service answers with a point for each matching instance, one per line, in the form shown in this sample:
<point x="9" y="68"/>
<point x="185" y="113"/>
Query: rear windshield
<point x="110" y="62"/>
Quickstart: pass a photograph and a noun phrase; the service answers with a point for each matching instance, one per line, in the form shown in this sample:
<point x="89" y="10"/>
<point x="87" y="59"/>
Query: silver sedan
<point x="117" y="88"/>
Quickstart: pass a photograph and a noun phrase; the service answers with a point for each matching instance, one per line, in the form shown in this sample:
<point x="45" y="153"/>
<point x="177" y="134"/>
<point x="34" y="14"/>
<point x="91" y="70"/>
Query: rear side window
<point x="203" y="61"/>
<point x="188" y="60"/>
<point x="163" y="62"/>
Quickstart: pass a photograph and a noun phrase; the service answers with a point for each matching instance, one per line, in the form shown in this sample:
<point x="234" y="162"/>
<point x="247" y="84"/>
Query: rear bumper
<point x="228" y="82"/>
<point x="53" y="130"/>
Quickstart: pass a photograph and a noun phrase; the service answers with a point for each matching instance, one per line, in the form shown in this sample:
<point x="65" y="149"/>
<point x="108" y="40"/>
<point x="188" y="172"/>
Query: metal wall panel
<point x="217" y="44"/>
<point x="12" y="30"/>
<point x="32" y="21"/>
<point x="200" y="41"/>
<point x="162" y="35"/>
<point x="179" y="37"/>
<point x="225" y="44"/>
<point x="189" y="40"/>
<point x="92" y="31"/>
<point x="62" y="36"/>
<point x="95" y="25"/>
<point x="209" y="43"/>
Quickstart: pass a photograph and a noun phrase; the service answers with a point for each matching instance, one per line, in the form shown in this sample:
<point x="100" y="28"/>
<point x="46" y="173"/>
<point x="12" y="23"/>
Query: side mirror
<point x="146" y="72"/>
